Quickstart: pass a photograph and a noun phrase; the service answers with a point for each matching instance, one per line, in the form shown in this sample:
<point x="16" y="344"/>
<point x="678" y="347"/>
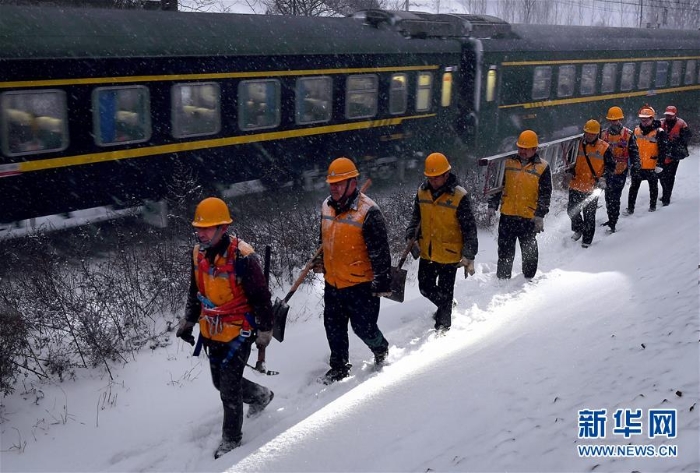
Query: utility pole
<point x="641" y="12"/>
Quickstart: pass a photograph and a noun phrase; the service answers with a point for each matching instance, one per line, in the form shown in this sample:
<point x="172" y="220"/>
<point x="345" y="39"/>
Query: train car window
<point x="195" y="109"/>
<point x="33" y="122"/>
<point x="361" y="96"/>
<point x="541" y="82"/>
<point x="258" y="104"/>
<point x="566" y="81"/>
<point x="645" y="75"/>
<point x="661" y="74"/>
<point x="589" y="72"/>
<point x="627" y="80"/>
<point x="676" y="70"/>
<point x="314" y="100"/>
<point x="690" y="72"/>
<point x="609" y="78"/>
<point x="446" y="98"/>
<point x="121" y="115"/>
<point x="424" y="91"/>
<point x="491" y="80"/>
<point x="398" y="94"/>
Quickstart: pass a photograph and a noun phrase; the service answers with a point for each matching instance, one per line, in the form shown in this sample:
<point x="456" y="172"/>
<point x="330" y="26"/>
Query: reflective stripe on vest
<point x="648" y="148"/>
<point x="583" y="180"/>
<point x="619" y="145"/>
<point x="224" y="304"/>
<point x="345" y="255"/>
<point x="441" y="235"/>
<point x="521" y="187"/>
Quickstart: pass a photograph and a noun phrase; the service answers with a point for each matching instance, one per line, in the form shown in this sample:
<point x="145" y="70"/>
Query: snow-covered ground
<point x="615" y="327"/>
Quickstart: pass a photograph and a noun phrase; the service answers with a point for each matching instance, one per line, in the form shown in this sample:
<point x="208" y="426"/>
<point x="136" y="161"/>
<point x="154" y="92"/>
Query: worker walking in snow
<point x="356" y="263"/>
<point x="593" y="167"/>
<point x="679" y="135"/>
<point x="524" y="201"/>
<point x="444" y="224"/>
<point x="229" y="298"/>
<point x="623" y="146"/>
<point x="652" y="144"/>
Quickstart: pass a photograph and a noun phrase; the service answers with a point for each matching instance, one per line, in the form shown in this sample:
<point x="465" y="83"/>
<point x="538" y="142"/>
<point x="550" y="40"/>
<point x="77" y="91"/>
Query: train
<point x="118" y="107"/>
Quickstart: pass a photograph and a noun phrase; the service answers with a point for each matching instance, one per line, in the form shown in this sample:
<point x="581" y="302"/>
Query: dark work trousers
<point x="233" y="388"/>
<point x="613" y="193"/>
<point x="582" y="203"/>
<point x="357" y="305"/>
<point x="436" y="281"/>
<point x="637" y="178"/>
<point x="667" y="178"/>
<point x="511" y="228"/>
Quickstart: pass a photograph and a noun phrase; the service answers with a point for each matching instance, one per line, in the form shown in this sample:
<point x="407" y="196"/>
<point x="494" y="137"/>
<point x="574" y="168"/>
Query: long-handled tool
<point x="260" y="364"/>
<point x="280" y="307"/>
<point x="398" y="275"/>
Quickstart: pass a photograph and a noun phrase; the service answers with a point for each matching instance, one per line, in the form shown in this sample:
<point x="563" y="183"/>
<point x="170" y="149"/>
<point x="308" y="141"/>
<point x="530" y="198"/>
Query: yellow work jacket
<point x="521" y="187"/>
<point x="619" y="145"/>
<point x="441" y="235"/>
<point x="345" y="256"/>
<point x="648" y="148"/>
<point x="219" y="285"/>
<point x="584" y="180"/>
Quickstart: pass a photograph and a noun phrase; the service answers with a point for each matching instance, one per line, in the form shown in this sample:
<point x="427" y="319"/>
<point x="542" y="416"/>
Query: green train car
<point x="114" y="107"/>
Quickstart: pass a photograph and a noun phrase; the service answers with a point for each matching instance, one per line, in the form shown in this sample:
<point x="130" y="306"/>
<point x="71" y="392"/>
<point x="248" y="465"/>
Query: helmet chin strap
<point x="214" y="239"/>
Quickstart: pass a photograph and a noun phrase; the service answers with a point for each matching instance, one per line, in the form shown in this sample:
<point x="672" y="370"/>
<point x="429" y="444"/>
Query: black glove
<point x="381" y="287"/>
<point x="415" y="250"/>
<point x="184" y="331"/>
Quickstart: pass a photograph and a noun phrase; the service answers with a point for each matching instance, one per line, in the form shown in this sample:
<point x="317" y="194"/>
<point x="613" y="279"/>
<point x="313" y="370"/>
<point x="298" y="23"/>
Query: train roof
<point x="33" y="32"/>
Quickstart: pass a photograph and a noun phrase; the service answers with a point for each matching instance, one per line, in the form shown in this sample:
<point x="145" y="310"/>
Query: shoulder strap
<point x="590" y="166"/>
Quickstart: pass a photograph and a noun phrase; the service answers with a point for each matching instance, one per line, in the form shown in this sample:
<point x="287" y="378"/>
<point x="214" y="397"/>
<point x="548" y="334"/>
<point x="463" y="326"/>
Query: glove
<point x="381" y="288"/>
<point x="263" y="339"/>
<point x="538" y="223"/>
<point x="318" y="265"/>
<point x="658" y="169"/>
<point x="468" y="266"/>
<point x="602" y="184"/>
<point x="184" y="331"/>
<point x="415" y="250"/>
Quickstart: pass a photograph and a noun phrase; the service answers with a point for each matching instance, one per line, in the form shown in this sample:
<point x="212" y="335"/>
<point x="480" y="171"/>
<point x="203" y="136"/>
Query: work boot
<point x="256" y="408"/>
<point x="576" y="236"/>
<point x="629" y="211"/>
<point x="380" y="357"/>
<point x="335" y="374"/>
<point x="652" y="208"/>
<point x="611" y="229"/>
<point x="585" y="245"/>
<point x="605" y="224"/>
<point x="224" y="447"/>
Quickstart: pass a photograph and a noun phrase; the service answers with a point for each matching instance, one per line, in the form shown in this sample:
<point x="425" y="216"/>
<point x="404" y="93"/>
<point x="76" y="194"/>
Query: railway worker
<point x="652" y="143"/>
<point x="229" y="298"/>
<point x="443" y="221"/>
<point x="593" y="167"/>
<point x="524" y="201"/>
<point x="624" y="149"/>
<point x="678" y="134"/>
<point x="357" y="268"/>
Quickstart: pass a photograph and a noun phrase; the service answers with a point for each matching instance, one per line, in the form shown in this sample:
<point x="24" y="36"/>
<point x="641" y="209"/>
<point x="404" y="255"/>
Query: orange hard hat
<point x="211" y="212"/>
<point x="341" y="169"/>
<point x="615" y="113"/>
<point x="528" y="139"/>
<point x="647" y="112"/>
<point x="592" y="126"/>
<point x="436" y="164"/>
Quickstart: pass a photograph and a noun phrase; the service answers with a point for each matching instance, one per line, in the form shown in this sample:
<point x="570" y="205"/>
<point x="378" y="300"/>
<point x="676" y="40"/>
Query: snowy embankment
<point x="614" y="326"/>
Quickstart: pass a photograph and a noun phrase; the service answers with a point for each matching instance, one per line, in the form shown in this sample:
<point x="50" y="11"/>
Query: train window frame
<point x="676" y="73"/>
<point x="310" y="108"/>
<point x="589" y="75"/>
<point x="424" y="91"/>
<point x="566" y="81"/>
<point x="661" y="78"/>
<point x="134" y="118"/>
<point x="398" y="96"/>
<point x="272" y="115"/>
<point x="191" y="114"/>
<point x="541" y="82"/>
<point x="35" y="125"/>
<point x="690" y="72"/>
<point x="644" y="79"/>
<point x="627" y="76"/>
<point x="367" y="87"/>
<point x="608" y="80"/>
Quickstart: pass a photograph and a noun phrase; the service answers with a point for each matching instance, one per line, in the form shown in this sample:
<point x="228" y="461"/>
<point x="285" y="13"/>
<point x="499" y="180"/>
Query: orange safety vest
<point x="521" y="187"/>
<point x="441" y="235"/>
<point x="648" y="148"/>
<point x="619" y="145"/>
<point x="345" y="255"/>
<point x="584" y="180"/>
<point x="224" y="304"/>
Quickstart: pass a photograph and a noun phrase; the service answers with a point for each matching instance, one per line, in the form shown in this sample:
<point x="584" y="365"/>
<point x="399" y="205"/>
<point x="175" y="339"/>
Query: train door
<point x="470" y="113"/>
